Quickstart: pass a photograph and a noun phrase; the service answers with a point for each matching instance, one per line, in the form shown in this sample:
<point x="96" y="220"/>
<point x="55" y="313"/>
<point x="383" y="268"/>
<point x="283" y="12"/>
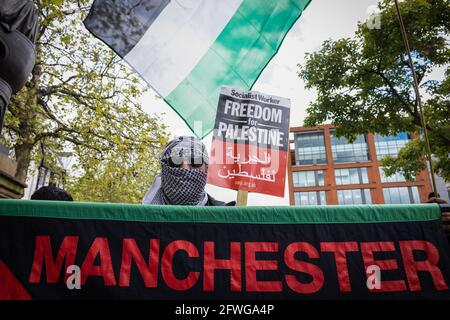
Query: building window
<point x="401" y="195"/>
<point x="345" y="152"/>
<point x="308" y="178"/>
<point x="354" y="196"/>
<point x="390" y="145"/>
<point x="397" y="177"/>
<point x="351" y="176"/>
<point x="310" y="149"/>
<point x="310" y="198"/>
<point x="293" y="156"/>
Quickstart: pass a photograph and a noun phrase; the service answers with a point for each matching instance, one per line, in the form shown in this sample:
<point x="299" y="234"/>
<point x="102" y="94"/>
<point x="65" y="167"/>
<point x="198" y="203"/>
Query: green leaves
<point x="364" y="84"/>
<point x="84" y="99"/>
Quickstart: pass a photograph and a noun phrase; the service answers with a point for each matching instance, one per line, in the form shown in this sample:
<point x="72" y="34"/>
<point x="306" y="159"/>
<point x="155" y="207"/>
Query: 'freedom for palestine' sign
<point x="250" y="142"/>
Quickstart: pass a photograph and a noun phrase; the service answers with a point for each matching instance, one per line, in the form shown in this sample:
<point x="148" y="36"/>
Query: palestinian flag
<point x="187" y="49"/>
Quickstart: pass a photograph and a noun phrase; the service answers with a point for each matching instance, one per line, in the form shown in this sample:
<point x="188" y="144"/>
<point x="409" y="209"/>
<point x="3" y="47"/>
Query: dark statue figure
<point x="18" y="28"/>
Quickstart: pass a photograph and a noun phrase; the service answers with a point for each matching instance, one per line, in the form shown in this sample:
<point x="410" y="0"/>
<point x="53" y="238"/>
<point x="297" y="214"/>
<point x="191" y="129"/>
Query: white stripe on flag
<point x="178" y="39"/>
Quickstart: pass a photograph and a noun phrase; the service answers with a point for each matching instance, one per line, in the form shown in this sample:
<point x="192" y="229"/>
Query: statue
<point x="18" y="29"/>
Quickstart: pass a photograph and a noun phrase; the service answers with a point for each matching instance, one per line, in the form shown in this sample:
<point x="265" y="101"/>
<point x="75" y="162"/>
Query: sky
<point x="322" y="20"/>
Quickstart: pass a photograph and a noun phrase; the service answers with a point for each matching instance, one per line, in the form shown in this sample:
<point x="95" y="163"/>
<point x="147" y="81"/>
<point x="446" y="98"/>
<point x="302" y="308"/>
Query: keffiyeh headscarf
<point x="176" y="185"/>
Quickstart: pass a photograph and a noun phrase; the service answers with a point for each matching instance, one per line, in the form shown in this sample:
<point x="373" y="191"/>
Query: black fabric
<point x="214" y="202"/>
<point x="2" y="112"/>
<point x="19" y="236"/>
<point x="51" y="192"/>
<point x="122" y="23"/>
<point x="183" y="186"/>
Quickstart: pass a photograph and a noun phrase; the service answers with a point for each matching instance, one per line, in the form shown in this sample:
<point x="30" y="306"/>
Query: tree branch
<point x="396" y="93"/>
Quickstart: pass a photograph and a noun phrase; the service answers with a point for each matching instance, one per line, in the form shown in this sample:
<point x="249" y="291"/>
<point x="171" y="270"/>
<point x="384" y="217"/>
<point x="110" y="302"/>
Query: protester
<point x="445" y="216"/>
<point x="51" y="192"/>
<point x="432" y="198"/>
<point x="182" y="181"/>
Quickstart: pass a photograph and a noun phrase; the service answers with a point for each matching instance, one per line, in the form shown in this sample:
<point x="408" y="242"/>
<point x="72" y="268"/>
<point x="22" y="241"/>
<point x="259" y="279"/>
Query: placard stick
<point x="242" y="197"/>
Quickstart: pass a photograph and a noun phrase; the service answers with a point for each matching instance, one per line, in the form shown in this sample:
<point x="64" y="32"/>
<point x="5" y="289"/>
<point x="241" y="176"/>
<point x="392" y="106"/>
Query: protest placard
<point x="250" y="142"/>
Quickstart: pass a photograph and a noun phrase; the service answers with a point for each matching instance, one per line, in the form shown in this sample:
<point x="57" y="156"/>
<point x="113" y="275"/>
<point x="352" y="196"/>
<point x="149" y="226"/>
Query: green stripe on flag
<point x="237" y="58"/>
<point x="253" y="215"/>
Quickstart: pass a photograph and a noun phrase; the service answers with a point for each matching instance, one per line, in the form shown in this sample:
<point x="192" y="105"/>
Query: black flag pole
<point x="419" y="101"/>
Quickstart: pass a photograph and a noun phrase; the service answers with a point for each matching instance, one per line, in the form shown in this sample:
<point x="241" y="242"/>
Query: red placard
<point x="250" y="142"/>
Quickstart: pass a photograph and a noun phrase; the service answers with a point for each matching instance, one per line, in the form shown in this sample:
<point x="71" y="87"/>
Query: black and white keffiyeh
<point x="176" y="185"/>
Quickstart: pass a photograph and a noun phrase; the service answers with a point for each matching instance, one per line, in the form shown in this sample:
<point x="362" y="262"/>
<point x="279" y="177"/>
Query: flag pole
<point x="419" y="102"/>
<point x="242" y="197"/>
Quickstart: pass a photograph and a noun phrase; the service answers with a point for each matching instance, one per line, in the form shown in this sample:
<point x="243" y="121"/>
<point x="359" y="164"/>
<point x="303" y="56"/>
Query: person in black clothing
<point x="51" y="192"/>
<point x="18" y="30"/>
<point x="182" y="181"/>
<point x="445" y="216"/>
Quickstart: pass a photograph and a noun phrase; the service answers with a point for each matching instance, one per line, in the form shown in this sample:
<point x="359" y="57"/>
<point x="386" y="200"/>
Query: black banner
<point x="117" y="259"/>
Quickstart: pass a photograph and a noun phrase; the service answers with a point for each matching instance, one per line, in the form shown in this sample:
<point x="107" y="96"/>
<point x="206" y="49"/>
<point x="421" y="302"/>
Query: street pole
<point x="419" y="101"/>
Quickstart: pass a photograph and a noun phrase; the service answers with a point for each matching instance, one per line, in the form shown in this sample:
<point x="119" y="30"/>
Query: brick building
<point x="327" y="170"/>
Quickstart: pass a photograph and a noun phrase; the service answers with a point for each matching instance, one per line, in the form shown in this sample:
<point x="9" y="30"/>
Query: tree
<point x="82" y="98"/>
<point x="119" y="177"/>
<point x="364" y="84"/>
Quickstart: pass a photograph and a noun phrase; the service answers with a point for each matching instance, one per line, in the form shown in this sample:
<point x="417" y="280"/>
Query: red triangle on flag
<point x="10" y="286"/>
